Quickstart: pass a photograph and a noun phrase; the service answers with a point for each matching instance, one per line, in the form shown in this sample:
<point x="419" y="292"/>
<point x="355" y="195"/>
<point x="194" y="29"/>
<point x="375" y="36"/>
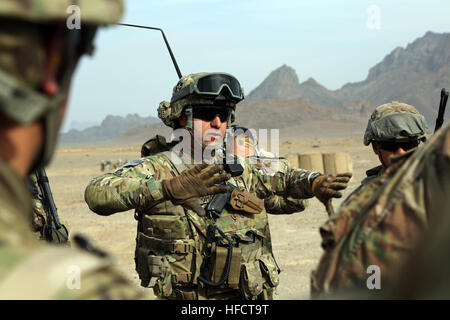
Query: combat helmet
<point x="26" y="20"/>
<point x="395" y="122"/>
<point x="219" y="90"/>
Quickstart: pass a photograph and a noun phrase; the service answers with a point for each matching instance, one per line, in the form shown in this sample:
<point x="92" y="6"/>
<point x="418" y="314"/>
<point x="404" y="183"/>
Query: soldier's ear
<point x="182" y="120"/>
<point x="374" y="147"/>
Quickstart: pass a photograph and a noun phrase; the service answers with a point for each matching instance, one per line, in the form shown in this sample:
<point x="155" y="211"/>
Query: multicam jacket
<point x="170" y="239"/>
<point x="276" y="204"/>
<point x="381" y="223"/>
<point x="371" y="174"/>
<point x="32" y="269"/>
<point x="424" y="275"/>
<point x="269" y="165"/>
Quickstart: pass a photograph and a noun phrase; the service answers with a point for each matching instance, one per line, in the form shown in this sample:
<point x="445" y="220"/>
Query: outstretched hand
<point x="327" y="187"/>
<point x="198" y="181"/>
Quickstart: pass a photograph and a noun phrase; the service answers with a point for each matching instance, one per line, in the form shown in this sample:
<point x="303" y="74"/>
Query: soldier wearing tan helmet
<point x="188" y="246"/>
<point x="38" y="55"/>
<point x="378" y="225"/>
<point x="393" y="129"/>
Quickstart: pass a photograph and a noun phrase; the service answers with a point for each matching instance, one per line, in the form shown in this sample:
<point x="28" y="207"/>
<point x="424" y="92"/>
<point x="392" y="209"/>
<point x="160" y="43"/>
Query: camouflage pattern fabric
<point x="424" y="275"/>
<point x="395" y="121"/>
<point x="371" y="174"/>
<point x="40" y="216"/>
<point x="266" y="165"/>
<point x="276" y="204"/>
<point x="171" y="240"/>
<point x="107" y="165"/>
<point x="30" y="269"/>
<point x="92" y="12"/>
<point x="382" y="223"/>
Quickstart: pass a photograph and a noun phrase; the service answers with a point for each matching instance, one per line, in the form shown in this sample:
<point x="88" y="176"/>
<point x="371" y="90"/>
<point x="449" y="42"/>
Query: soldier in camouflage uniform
<point x="380" y="222"/>
<point x="266" y="162"/>
<point x="385" y="132"/>
<point x="184" y="250"/>
<point x="38" y="55"/>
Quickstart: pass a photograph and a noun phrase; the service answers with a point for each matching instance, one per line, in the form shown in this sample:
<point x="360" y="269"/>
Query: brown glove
<point x="191" y="184"/>
<point x="326" y="187"/>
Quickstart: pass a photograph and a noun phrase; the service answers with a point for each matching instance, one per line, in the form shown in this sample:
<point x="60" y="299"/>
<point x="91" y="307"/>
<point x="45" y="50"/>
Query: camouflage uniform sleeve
<point x="295" y="183"/>
<point x="280" y="204"/>
<point x="135" y="185"/>
<point x="299" y="183"/>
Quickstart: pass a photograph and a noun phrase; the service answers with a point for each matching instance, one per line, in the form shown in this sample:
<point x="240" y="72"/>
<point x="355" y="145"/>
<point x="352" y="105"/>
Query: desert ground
<point x="296" y="239"/>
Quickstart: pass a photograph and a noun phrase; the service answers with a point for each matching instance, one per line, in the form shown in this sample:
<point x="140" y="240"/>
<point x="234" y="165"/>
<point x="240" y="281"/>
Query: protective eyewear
<point x="212" y="85"/>
<point x="394" y="146"/>
<point x="208" y="113"/>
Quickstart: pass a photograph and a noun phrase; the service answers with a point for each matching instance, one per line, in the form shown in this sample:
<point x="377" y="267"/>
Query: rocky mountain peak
<point x="425" y="54"/>
<point x="311" y="82"/>
<point x="280" y="83"/>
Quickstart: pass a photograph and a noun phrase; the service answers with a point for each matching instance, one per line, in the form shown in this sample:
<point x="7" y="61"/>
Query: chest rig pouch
<point x="246" y="263"/>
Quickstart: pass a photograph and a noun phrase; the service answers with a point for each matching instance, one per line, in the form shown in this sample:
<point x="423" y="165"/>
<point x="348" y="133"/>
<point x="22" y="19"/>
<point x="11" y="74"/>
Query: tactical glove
<point x="326" y="187"/>
<point x="191" y="184"/>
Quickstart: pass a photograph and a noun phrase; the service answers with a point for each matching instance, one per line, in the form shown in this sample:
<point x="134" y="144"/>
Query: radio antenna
<point x="165" y="40"/>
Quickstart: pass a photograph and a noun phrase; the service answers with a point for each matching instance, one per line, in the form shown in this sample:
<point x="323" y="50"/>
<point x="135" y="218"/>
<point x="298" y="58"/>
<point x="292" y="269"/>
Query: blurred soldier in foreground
<point x="203" y="233"/>
<point x="380" y="222"/>
<point x="424" y="275"/>
<point x="38" y="55"/>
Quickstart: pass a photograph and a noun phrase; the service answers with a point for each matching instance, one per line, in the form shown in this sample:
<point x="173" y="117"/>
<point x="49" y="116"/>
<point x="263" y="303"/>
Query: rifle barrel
<point x="442" y="105"/>
<point x="48" y="197"/>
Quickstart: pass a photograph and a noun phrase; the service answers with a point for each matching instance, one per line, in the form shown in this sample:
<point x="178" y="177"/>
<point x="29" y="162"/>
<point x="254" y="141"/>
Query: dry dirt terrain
<point x="296" y="240"/>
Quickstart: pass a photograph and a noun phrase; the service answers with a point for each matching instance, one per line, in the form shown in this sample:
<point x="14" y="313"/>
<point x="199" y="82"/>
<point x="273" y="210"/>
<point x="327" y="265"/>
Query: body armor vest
<point x="171" y="251"/>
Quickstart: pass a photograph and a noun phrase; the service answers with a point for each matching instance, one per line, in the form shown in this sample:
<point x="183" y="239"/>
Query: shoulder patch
<point x="132" y="163"/>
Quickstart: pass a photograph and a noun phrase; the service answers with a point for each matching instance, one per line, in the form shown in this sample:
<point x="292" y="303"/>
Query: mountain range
<point x="414" y="75"/>
<point x="110" y="128"/>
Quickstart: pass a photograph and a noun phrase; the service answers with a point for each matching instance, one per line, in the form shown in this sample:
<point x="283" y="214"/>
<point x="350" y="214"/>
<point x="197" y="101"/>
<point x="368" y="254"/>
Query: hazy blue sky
<point x="334" y="42"/>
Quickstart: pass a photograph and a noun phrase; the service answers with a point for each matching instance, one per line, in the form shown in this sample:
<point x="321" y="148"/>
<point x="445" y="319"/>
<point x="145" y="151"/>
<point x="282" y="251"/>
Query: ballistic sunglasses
<point x="394" y="146"/>
<point x="209" y="113"/>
